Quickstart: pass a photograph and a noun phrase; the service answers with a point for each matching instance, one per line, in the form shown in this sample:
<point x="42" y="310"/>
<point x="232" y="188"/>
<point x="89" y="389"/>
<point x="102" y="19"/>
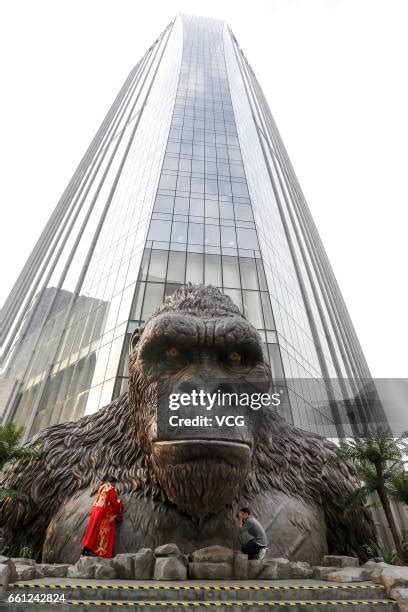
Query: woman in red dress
<point x="106" y="512"/>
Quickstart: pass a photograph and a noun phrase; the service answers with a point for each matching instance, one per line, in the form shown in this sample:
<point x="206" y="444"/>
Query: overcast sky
<point x="334" y="73"/>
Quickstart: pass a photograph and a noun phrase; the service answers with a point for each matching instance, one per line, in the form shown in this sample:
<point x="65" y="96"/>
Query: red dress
<point x="106" y="511"/>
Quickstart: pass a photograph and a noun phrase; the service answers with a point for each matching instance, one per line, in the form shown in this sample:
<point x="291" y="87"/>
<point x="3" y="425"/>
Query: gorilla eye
<point x="172" y="353"/>
<point x="235" y="357"/>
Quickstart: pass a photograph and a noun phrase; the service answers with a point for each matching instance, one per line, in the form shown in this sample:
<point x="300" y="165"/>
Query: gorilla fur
<point x="289" y="469"/>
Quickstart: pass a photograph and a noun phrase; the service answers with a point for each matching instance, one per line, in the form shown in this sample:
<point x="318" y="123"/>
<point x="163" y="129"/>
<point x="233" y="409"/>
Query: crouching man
<point x="255" y="546"/>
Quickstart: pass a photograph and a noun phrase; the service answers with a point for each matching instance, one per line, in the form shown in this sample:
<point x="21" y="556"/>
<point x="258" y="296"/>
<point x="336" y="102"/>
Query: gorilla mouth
<point x="174" y="452"/>
<point x="201" y="476"/>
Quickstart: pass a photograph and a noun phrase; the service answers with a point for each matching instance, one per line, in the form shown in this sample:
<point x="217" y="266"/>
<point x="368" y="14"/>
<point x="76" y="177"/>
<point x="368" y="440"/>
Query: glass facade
<point x="187" y="179"/>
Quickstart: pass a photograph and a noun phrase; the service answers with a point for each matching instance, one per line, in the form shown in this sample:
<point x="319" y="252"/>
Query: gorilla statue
<point x="186" y="489"/>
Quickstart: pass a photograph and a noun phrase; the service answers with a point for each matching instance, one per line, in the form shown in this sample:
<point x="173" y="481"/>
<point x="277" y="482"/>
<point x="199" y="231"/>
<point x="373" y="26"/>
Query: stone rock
<point x="4" y="575"/>
<point x="104" y="569"/>
<point x="167" y="550"/>
<point x="370" y="563"/>
<point x="340" y="561"/>
<point x="321" y="572"/>
<point x="25" y="572"/>
<point x="254" y="568"/>
<point x="376" y="571"/>
<point x="401" y="596"/>
<point x="241" y="566"/>
<point x="210" y="571"/>
<point x="213" y="554"/>
<point x="83" y="568"/>
<point x="392" y="576"/>
<point x="300" y="569"/>
<point x="7" y="561"/>
<point x="143" y="564"/>
<point x="269" y="571"/>
<point x="23" y="561"/>
<point x="283" y="567"/>
<point x="350" y="574"/>
<point x="53" y="570"/>
<point x="124" y="566"/>
<point x="170" y="568"/>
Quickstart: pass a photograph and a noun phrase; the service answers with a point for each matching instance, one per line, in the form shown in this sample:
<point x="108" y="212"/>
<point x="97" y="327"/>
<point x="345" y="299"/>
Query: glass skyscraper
<point x="187" y="179"/>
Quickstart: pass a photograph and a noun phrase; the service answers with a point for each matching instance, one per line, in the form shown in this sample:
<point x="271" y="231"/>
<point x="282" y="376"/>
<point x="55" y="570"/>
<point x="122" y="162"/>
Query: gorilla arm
<point x="74" y="456"/>
<point x="303" y="465"/>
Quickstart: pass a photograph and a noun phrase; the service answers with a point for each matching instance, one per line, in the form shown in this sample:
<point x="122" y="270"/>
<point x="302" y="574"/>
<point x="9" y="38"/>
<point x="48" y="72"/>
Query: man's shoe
<point x="262" y="553"/>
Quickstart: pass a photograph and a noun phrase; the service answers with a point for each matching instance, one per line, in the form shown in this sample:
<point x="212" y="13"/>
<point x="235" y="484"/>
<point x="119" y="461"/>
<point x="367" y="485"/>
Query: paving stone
<point x="400" y="594"/>
<point x="213" y="554"/>
<point x="25" y="572"/>
<point x="104" y="569"/>
<point x="53" y="570"/>
<point x="4" y="575"/>
<point x="300" y="569"/>
<point x="240" y="566"/>
<point x="167" y="550"/>
<point x="392" y="576"/>
<point x="13" y="573"/>
<point x="320" y="572"/>
<point x="340" y="561"/>
<point x="83" y="568"/>
<point x="23" y="561"/>
<point x="124" y="566"/>
<point x="350" y="574"/>
<point x="170" y="568"/>
<point x="283" y="567"/>
<point x="210" y="571"/>
<point x="269" y="571"/>
<point x="254" y="568"/>
<point x="143" y="564"/>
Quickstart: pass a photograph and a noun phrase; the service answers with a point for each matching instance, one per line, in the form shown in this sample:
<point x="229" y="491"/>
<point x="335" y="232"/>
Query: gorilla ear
<point x="134" y="339"/>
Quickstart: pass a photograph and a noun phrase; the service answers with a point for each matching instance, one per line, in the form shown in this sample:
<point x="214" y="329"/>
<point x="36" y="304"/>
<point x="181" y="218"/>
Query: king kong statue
<point x="186" y="490"/>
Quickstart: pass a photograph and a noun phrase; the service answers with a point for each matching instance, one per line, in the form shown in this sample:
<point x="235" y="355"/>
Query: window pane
<point x="267" y="311"/>
<point x="248" y="273"/>
<point x="235" y="295"/>
<point x="243" y="212"/>
<point x="252" y="308"/>
<point x="212" y="235"/>
<point x="240" y="189"/>
<point x="228" y="238"/>
<point x="195" y="268"/>
<point x="177" y="262"/>
<point x="211" y="209"/>
<point x="164" y="204"/>
<point x="196" y="233"/>
<point x="226" y="210"/>
<point x="179" y="232"/>
<point x="213" y="270"/>
<point x="197" y="207"/>
<point x="135" y="313"/>
<point x="167" y="181"/>
<point x="230" y="271"/>
<point x="159" y="230"/>
<point x="158" y="265"/>
<point x="247" y="238"/>
<point x="181" y="206"/>
<point x="153" y="298"/>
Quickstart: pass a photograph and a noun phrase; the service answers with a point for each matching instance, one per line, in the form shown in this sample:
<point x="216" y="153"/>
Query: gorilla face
<point x="200" y="469"/>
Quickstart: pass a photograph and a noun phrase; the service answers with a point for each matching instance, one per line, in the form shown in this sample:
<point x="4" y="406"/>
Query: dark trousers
<point x="251" y="548"/>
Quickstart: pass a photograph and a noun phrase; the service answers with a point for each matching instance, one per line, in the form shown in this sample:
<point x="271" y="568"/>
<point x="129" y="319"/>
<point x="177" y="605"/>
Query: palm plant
<point x="377" y="459"/>
<point x="11" y="449"/>
<point x="399" y="487"/>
